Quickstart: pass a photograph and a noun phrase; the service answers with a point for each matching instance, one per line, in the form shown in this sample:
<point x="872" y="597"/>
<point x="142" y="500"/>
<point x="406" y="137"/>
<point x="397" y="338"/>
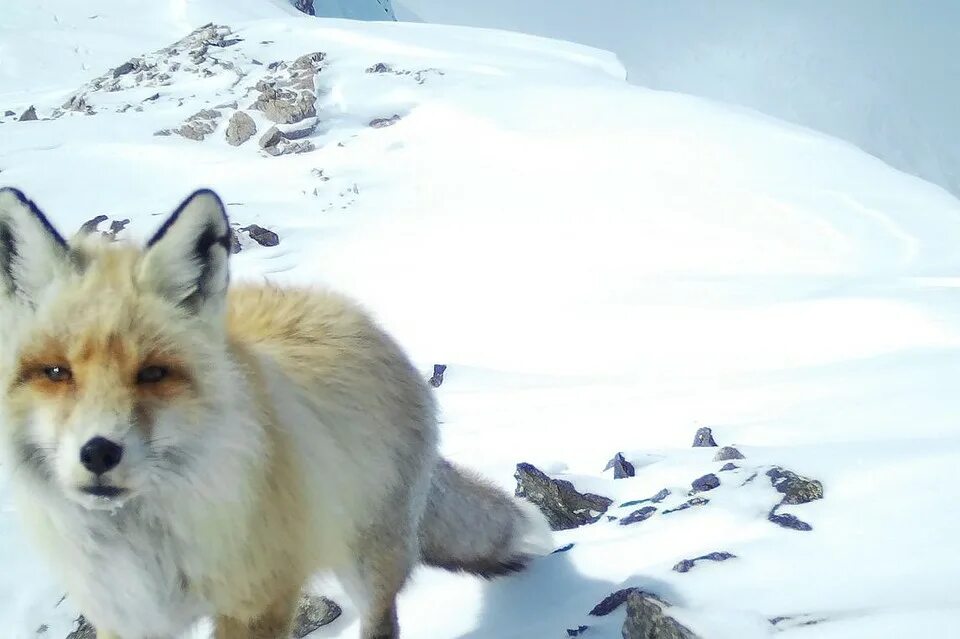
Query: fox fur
<point x="265" y="434"/>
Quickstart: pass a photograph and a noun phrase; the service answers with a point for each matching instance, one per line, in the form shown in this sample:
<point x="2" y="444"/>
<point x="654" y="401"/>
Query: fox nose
<point x="100" y="455"/>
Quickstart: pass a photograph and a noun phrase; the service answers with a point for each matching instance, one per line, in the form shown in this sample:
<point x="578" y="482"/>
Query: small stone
<point x="729" y="466"/>
<point x="576" y="632"/>
<point x="705" y="483"/>
<point x="380" y="67"/>
<point x="313" y="612"/>
<point x="687" y="564"/>
<point x="704" y="438"/>
<point x="656" y="499"/>
<point x="380" y="123"/>
<point x="28" y="115"/>
<point x="621" y="467"/>
<point x="787" y="520"/>
<point x="262" y="236"/>
<point x="646" y="619"/>
<point x="438" y="371"/>
<point x="796" y="489"/>
<point x="690" y="503"/>
<point x="240" y="128"/>
<point x="727" y="453"/>
<point x="638" y="515"/>
<point x="561" y="503"/>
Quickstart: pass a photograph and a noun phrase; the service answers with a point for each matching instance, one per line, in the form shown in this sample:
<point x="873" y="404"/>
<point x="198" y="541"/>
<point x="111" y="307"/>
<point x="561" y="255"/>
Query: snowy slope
<point x="602" y="267"/>
<point x="880" y="75"/>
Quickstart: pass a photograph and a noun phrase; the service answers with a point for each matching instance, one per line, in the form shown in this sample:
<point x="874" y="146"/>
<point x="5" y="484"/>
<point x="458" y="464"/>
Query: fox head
<point x="112" y="368"/>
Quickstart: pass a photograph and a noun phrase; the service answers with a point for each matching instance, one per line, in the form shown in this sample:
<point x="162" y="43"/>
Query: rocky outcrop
<point x="561" y="503"/>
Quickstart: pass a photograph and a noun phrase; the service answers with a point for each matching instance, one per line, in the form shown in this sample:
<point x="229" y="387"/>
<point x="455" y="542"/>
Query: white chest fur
<point x="123" y="570"/>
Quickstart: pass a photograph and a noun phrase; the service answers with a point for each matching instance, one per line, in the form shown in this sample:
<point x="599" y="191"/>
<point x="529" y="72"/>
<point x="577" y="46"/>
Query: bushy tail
<point x="472" y="526"/>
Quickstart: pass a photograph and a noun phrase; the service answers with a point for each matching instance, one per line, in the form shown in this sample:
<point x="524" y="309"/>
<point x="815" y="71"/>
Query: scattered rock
<point x="83" y="630"/>
<point x="380" y="123"/>
<point x="288" y="148"/>
<point x="621" y="467"/>
<point x="687" y="564"/>
<point x="561" y="503"/>
<point x="611" y="602"/>
<point x="796" y="489"/>
<point x="646" y="619"/>
<point x="240" y="128"/>
<point x="380" y="67"/>
<point x="727" y="453"/>
<point x="438" y="371"/>
<point x="288" y="111"/>
<point x="656" y="499"/>
<point x="705" y="483"/>
<point x="704" y="438"/>
<point x="163" y="132"/>
<point x="262" y="236"/>
<point x="787" y="520"/>
<point x="638" y="515"/>
<point x="690" y="503"/>
<point x="28" y="115"/>
<point x="729" y="466"/>
<point x="124" y="69"/>
<point x="199" y="125"/>
<point x="314" y="612"/>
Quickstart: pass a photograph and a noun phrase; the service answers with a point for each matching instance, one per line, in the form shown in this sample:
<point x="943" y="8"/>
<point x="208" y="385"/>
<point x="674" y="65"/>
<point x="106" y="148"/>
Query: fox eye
<point x="151" y="374"/>
<point x="57" y="373"/>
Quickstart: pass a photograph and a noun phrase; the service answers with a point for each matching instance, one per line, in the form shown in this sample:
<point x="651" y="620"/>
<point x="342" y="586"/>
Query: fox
<point x="187" y="448"/>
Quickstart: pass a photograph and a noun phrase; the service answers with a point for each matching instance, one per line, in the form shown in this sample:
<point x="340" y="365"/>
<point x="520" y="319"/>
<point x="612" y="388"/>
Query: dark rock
<point x="124" y="69"/>
<point x="646" y="619"/>
<point x="703" y="438"/>
<point x="687" y="564"/>
<point x="163" y="132"/>
<point x="576" y="632"/>
<point x="787" y="520"/>
<point x="729" y="466"/>
<point x="83" y="630"/>
<point x="271" y="138"/>
<point x="28" y="115"/>
<point x="690" y="503"/>
<point x="563" y="549"/>
<point x="8" y="113"/>
<point x="115" y="227"/>
<point x="91" y="225"/>
<point x="438" y="371"/>
<point x="795" y="488"/>
<point x="749" y="479"/>
<point x="313" y="612"/>
<point x="306" y="6"/>
<point x="705" y="483"/>
<point x="621" y="467"/>
<point x="612" y="601"/>
<point x="380" y="123"/>
<point x="728" y="452"/>
<point x="235" y="246"/>
<point x="262" y="236"/>
<point x="561" y="503"/>
<point x="638" y="515"/>
<point x="380" y="67"/>
<point x="240" y="128"/>
<point x="656" y="499"/>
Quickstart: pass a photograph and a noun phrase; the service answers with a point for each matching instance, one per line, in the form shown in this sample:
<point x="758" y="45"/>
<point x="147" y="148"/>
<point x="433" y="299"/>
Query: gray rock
<point x="690" y="503"/>
<point x="687" y="564"/>
<point x="306" y="6"/>
<point x="612" y="601"/>
<point x="124" y="69"/>
<point x="9" y="113"/>
<point x="703" y="438"/>
<point x="561" y="503"/>
<point x="199" y="125"/>
<point x="727" y="453"/>
<point x="638" y="515"/>
<point x="647" y="619"/>
<point x="380" y="123"/>
<point x="28" y="115"/>
<point x="262" y="236"/>
<point x="796" y="489"/>
<point x="705" y="483"/>
<point x="656" y="499"/>
<point x="83" y="630"/>
<point x="235" y="246"/>
<point x="240" y="128"/>
<point x="786" y="520"/>
<point x="621" y="467"/>
<point x="92" y="225"/>
<point x="314" y="612"/>
<point x="438" y="371"/>
<point x="271" y="138"/>
<point x="286" y="107"/>
<point x="729" y="466"/>
<point x="380" y="67"/>
<point x="286" y="148"/>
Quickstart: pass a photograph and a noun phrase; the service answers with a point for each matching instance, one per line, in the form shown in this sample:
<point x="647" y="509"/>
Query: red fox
<point x="185" y="448"/>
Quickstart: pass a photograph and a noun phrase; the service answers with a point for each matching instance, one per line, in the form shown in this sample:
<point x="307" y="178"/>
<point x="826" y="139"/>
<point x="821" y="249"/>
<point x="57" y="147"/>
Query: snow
<point x="602" y="267"/>
<point x="882" y="76"/>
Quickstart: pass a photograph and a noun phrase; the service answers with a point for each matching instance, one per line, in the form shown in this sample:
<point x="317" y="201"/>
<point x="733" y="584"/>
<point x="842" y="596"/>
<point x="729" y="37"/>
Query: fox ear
<point x="186" y="260"/>
<point x="32" y="252"/>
